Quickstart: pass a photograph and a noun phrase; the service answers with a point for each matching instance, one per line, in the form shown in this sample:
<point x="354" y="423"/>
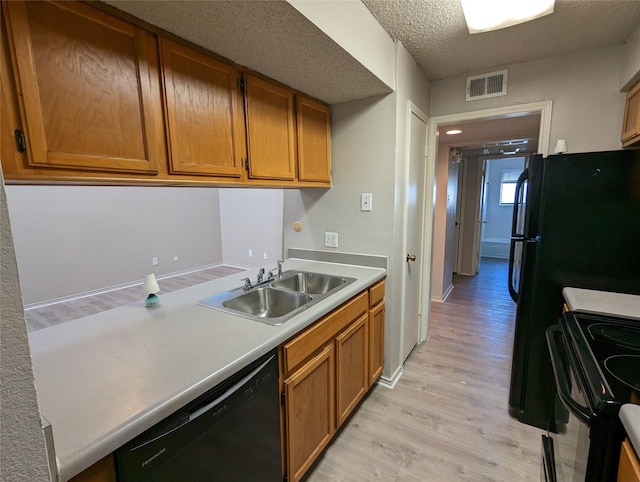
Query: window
<point x="508" y="186"/>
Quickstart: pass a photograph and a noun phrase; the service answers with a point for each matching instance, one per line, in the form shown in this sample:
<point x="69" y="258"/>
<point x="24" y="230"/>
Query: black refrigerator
<point x="576" y="222"/>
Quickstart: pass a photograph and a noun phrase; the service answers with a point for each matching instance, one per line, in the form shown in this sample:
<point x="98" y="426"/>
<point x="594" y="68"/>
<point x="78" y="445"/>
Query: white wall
<point x="472" y="178"/>
<point x="366" y="157"/>
<point x="630" y="72"/>
<point x="251" y="219"/>
<point x="496" y="232"/>
<point x="75" y="239"/>
<point x="23" y="454"/>
<point x="584" y="88"/>
<point x="498" y="225"/>
<point x="441" y="279"/>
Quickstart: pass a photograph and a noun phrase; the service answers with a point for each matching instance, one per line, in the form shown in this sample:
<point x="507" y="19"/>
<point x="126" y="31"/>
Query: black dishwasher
<point x="231" y="433"/>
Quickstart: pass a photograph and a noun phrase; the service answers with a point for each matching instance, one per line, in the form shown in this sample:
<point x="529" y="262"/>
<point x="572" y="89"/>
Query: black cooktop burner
<point x="625" y="368"/>
<point x="622" y="335"/>
<point x="608" y="349"/>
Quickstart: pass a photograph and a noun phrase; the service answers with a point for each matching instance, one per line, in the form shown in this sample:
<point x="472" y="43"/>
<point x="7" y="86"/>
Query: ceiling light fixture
<point x="453" y="132"/>
<point x="487" y="15"/>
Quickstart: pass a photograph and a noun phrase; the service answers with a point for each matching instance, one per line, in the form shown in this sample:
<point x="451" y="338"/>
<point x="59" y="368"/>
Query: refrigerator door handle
<point x="512" y="249"/>
<point x="515" y="236"/>
<point x="516" y="203"/>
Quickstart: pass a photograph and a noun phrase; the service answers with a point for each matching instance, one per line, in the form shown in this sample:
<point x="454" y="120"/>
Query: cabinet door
<point x="84" y="85"/>
<point x="204" y="122"/>
<point x="376" y="342"/>
<point x="352" y="382"/>
<point x="270" y="130"/>
<point x="314" y="140"/>
<point x="310" y="411"/>
<point x="631" y="122"/>
<point x="629" y="467"/>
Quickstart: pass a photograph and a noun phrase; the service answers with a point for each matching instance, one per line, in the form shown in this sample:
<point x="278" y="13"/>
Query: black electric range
<point x="609" y="352"/>
<point x="596" y="365"/>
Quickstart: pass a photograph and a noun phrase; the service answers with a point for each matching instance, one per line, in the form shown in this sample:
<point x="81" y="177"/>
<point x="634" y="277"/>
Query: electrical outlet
<point x="251" y="253"/>
<point x="154" y="261"/>
<point x="366" y="201"/>
<point x="264" y="255"/>
<point x="331" y="240"/>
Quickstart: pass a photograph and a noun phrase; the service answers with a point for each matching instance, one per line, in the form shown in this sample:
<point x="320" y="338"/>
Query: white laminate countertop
<point x="630" y="416"/>
<point x="105" y="378"/>
<point x="602" y="302"/>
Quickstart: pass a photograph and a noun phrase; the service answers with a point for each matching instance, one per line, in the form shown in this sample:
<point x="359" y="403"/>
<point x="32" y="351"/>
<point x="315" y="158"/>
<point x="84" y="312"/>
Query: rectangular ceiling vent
<point x="488" y="85"/>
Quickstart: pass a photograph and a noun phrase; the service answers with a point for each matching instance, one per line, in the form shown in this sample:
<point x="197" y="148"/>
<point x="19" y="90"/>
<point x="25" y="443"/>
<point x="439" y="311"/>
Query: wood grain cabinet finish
<point x="270" y="130"/>
<point x="345" y="336"/>
<point x="204" y="121"/>
<point x="376" y="331"/>
<point x="352" y="365"/>
<point x="631" y="122"/>
<point x="100" y="98"/>
<point x="84" y="87"/>
<point x="629" y="468"/>
<point x="310" y="412"/>
<point x="313" y="124"/>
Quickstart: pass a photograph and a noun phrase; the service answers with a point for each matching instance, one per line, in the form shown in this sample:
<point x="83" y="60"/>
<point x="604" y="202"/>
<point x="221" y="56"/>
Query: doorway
<point x="491" y="128"/>
<point x="417" y="259"/>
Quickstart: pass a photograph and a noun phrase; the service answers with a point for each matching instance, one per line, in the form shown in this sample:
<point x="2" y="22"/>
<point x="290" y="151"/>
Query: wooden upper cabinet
<point x="314" y="140"/>
<point x="203" y="105"/>
<point x="270" y="130"/>
<point x="83" y="81"/>
<point x="631" y="122"/>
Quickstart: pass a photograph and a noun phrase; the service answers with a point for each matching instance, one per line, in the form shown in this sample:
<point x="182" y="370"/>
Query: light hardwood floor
<point x="447" y="418"/>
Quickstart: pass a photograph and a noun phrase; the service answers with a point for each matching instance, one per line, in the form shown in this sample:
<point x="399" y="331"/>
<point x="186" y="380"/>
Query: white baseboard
<point x="442" y="299"/>
<point x="495" y="248"/>
<point x="391" y="382"/>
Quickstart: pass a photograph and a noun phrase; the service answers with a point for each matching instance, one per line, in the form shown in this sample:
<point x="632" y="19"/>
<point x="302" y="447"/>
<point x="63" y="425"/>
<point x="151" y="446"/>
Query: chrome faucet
<point x="280" y="261"/>
<point x="260" y="276"/>
<point x="247" y="284"/>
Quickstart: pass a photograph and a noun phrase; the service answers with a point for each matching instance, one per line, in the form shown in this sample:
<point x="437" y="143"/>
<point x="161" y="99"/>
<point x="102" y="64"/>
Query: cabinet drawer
<point x="376" y="294"/>
<point x="304" y="345"/>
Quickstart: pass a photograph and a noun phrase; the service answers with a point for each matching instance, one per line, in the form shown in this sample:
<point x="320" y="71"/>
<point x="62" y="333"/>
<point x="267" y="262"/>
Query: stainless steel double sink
<point x="278" y="300"/>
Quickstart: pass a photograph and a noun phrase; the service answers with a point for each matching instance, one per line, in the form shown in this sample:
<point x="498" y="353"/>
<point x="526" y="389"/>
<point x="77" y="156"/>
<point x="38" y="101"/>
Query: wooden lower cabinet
<point x="352" y="357"/>
<point x="629" y="468"/>
<point x="326" y="371"/>
<point x="310" y="414"/>
<point x="376" y="342"/>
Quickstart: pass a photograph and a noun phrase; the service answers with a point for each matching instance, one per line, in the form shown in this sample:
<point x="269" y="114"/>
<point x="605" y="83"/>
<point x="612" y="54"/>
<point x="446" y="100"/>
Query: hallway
<point x="447" y="418"/>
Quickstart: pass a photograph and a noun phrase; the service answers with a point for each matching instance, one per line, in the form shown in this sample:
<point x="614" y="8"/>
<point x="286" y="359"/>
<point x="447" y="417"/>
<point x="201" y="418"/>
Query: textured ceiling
<point x="436" y="35"/>
<point x="270" y="37"/>
<point x="273" y="38"/>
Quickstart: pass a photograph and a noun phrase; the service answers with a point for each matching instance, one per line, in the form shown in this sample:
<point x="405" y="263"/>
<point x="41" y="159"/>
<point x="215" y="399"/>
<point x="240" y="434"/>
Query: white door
<point x="414" y="253"/>
<point x="482" y="215"/>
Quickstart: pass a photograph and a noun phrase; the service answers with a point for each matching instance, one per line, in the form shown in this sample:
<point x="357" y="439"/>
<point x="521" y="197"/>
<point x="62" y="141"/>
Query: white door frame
<point x="543" y="108"/>
<point x="427" y="226"/>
